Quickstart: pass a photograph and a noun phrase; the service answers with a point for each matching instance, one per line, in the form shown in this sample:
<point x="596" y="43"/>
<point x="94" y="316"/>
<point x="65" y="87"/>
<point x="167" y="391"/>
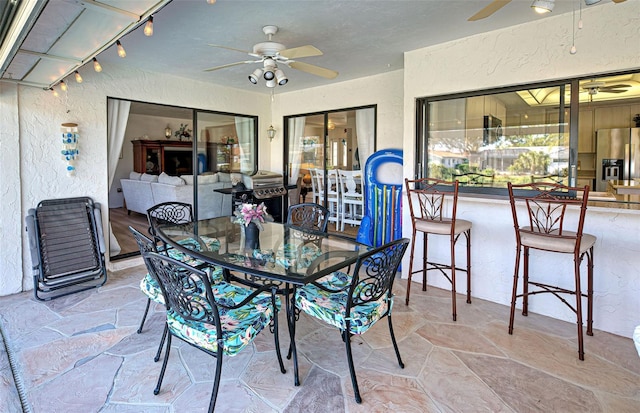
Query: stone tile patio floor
<point x="81" y="353"/>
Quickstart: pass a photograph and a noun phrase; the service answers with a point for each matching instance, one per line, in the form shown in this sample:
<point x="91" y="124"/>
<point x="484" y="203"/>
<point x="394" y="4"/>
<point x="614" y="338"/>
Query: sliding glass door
<point x="322" y="142"/>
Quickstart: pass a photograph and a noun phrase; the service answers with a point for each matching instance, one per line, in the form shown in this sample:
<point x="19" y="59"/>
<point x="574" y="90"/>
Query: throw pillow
<point x="207" y="179"/>
<point x="149" y="178"/>
<point x="170" y="180"/>
<point x="135" y="176"/>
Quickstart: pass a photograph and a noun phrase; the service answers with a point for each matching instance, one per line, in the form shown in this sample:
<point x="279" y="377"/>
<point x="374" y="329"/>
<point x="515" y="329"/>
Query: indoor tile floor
<point x="81" y="353"/>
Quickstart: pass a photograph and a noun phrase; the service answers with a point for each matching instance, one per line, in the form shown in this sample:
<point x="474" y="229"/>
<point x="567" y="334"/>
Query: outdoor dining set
<point x="224" y="280"/>
<point x="221" y="287"/>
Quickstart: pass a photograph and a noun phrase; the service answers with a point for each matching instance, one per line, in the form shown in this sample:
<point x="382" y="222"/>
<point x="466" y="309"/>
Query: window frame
<point x="421" y="161"/>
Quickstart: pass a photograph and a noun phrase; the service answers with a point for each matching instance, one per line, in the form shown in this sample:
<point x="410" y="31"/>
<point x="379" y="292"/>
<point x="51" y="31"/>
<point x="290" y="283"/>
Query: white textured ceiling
<point x="358" y="38"/>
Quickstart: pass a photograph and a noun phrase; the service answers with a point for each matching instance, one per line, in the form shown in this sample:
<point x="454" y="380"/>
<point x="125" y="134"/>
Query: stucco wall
<point x="39" y="172"/>
<point x="384" y="90"/>
<point x="609" y="41"/>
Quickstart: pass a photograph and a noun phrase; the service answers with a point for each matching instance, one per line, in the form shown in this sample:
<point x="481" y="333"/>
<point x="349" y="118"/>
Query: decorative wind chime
<point x="70" y="151"/>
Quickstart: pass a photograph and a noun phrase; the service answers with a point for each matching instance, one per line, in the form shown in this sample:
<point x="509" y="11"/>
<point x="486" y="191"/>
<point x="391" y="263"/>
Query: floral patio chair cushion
<point x="151" y="289"/>
<point x="240" y="326"/>
<point x="212" y="244"/>
<point x="331" y="307"/>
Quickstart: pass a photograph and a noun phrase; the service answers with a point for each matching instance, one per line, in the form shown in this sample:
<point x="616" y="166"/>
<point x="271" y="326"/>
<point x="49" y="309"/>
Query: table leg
<point x="291" y="322"/>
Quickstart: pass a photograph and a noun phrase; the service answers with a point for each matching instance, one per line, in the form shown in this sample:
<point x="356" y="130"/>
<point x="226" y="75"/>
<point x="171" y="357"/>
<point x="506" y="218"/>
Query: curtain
<point x="118" y="115"/>
<point x="295" y="156"/>
<point x="365" y="128"/>
<point x="296" y="136"/>
<point x="244" y="129"/>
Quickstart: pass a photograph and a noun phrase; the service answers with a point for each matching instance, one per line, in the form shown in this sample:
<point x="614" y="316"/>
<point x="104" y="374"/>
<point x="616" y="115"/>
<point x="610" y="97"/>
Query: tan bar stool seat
<point x="433" y="205"/>
<point x="545" y="206"/>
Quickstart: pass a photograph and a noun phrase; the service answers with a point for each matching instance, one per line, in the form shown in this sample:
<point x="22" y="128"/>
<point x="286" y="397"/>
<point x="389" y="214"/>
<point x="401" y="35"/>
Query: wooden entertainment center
<point x="155" y="157"/>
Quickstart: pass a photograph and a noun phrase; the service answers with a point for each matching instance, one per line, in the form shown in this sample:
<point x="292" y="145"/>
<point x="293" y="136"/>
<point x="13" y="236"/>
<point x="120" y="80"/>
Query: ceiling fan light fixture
<point x="281" y="77"/>
<point x="269" y="74"/>
<point x="253" y="77"/>
<point x="271" y="83"/>
<point x="543" y="6"/>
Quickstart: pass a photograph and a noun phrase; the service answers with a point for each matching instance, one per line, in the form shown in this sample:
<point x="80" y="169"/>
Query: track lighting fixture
<point x="96" y="65"/>
<point x="78" y="77"/>
<point x="148" y="28"/>
<point x="121" y="52"/>
<point x="543" y="6"/>
<point x="253" y="77"/>
<point x="63" y="86"/>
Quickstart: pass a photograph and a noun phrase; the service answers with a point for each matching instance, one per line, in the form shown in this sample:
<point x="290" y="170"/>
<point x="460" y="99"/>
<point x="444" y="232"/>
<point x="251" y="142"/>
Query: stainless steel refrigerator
<point x="617" y="155"/>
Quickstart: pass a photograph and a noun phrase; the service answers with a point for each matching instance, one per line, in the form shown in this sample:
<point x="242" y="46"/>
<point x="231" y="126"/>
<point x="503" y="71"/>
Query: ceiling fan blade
<point x="605" y="90"/>
<point x="314" y="70"/>
<point x="235" y="50"/>
<point x="211" y="69"/>
<point x="302" y="51"/>
<point x="615" y="86"/>
<point x="618" y="1"/>
<point x="491" y="8"/>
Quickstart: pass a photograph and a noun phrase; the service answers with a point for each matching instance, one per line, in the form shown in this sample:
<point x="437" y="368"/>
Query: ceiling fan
<point x="594" y="87"/>
<point x="270" y="54"/>
<point x="496" y="5"/>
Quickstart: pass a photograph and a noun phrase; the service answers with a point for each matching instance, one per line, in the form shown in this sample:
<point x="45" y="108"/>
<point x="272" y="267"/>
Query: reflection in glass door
<point x="319" y="143"/>
<point x="226" y="145"/>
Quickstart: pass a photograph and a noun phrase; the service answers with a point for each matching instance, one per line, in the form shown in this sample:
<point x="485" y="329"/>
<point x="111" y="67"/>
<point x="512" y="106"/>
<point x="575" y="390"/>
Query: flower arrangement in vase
<point x="247" y="214"/>
<point x="183" y="132"/>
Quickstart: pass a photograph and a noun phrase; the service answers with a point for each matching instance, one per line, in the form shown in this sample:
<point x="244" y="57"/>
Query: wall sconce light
<point x="271" y="133"/>
<point x="167" y="132"/>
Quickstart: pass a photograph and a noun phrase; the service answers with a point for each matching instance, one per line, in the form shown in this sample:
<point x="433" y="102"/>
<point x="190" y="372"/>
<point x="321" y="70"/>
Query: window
<point x="518" y="135"/>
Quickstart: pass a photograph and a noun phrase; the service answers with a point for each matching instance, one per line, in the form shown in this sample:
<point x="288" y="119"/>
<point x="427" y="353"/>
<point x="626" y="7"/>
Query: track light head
<point x="96" y="65"/>
<point x="148" y="28"/>
<point x="121" y="52"/>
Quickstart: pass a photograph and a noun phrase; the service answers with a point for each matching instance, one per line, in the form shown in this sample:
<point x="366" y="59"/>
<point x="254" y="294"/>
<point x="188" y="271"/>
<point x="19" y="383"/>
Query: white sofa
<point x="142" y="191"/>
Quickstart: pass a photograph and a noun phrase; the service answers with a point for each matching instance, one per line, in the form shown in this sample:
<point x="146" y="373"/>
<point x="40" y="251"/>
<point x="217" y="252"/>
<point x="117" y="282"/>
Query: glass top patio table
<point x="285" y="253"/>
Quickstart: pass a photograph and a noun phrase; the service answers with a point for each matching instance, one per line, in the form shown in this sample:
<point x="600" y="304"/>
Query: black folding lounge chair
<point x="67" y="247"/>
